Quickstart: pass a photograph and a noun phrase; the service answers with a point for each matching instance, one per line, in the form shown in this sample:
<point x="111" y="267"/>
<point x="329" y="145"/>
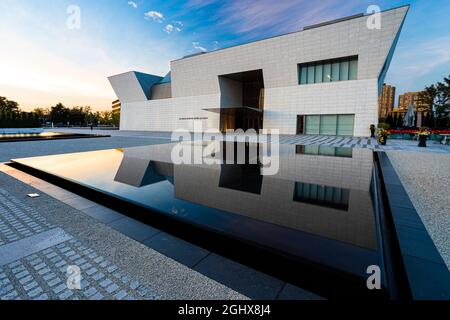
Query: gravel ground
<point x="426" y="178"/>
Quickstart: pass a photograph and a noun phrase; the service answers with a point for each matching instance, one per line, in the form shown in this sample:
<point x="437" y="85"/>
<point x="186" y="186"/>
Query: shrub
<point x="384" y="126"/>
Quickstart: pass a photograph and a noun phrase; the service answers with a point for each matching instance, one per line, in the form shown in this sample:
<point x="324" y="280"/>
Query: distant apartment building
<point x="386" y="100"/>
<point x="322" y="80"/>
<point x="116" y="106"/>
<point x="414" y="99"/>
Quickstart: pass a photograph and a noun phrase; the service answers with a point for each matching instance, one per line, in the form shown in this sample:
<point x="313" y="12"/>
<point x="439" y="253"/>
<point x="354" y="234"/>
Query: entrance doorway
<point x="242" y="101"/>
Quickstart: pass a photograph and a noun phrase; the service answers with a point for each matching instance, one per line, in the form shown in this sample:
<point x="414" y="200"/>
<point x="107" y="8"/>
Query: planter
<point x="423" y="141"/>
<point x="382" y="140"/>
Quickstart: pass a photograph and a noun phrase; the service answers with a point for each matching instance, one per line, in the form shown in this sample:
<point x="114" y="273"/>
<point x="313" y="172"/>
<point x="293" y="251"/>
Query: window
<point x="319" y="71"/>
<point x="324" y="196"/>
<point x="311" y="77"/>
<point x="330" y="125"/>
<point x="335" y="71"/>
<point x="327" y="72"/>
<point x="314" y="150"/>
<point x="342" y="69"/>
<point x="312" y="125"/>
<point x="303" y="76"/>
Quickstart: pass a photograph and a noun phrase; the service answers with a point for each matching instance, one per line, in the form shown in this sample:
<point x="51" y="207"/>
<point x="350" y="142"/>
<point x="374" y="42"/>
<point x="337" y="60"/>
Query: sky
<point x="46" y="57"/>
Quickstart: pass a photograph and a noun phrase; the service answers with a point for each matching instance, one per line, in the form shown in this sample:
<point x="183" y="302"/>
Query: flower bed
<point x="408" y="134"/>
<point x="407" y="131"/>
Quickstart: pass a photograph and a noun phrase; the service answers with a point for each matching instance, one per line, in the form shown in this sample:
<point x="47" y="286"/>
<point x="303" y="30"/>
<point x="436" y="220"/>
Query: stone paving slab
<point x="18" y="221"/>
<point x="43" y="276"/>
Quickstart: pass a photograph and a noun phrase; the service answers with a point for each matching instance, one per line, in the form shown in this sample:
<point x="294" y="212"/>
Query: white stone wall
<point x="170" y="114"/>
<point x="282" y="105"/>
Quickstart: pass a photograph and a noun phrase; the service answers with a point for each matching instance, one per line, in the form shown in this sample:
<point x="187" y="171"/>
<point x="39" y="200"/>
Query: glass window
<point x="335" y="71"/>
<point x="311" y="77"/>
<point x="343" y="75"/>
<point x="327" y="72"/>
<point x="319" y="69"/>
<point x="328" y="125"/>
<point x="353" y="72"/>
<point x="325" y="196"/>
<point x="303" y="75"/>
<point x="312" y="125"/>
<point x="345" y="126"/>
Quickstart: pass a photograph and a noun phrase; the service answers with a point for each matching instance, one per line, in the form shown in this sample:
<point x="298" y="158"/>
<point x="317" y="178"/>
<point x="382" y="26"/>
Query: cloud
<point x="169" y="28"/>
<point x="425" y="62"/>
<point x="199" y="3"/>
<point x="281" y="16"/>
<point x="132" y="4"/>
<point x="175" y="26"/>
<point x="197" y="46"/>
<point x="215" y="46"/>
<point x="155" y="15"/>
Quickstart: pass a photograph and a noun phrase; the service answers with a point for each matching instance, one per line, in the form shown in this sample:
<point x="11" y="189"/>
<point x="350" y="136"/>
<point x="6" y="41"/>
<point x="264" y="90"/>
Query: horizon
<point x="46" y="62"/>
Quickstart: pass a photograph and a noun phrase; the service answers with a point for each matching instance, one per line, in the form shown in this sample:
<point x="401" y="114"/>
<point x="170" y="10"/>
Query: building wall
<point x="170" y="114"/>
<point x="195" y="80"/>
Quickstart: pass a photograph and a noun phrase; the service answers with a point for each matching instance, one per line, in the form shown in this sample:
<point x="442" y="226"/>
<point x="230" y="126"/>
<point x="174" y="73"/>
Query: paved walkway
<point x="333" y="141"/>
<point x="119" y="258"/>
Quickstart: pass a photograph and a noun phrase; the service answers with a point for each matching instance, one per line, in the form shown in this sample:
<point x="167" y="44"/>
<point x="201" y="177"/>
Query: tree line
<point x="59" y="115"/>
<point x="12" y="117"/>
<point x="437" y="96"/>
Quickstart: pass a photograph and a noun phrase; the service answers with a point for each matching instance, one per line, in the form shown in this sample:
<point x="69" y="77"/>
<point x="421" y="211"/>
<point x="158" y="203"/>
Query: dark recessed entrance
<point x="242" y="100"/>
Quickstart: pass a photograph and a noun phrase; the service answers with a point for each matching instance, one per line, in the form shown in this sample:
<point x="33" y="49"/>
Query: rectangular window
<point x="303" y="75"/>
<point x="353" y="72"/>
<point x="325" y="196"/>
<point x="327" y="72"/>
<point x="311" y="77"/>
<point x="330" y="125"/>
<point x="319" y="75"/>
<point x="345" y="125"/>
<point x="344" y="71"/>
<point x="340" y="152"/>
<point x="312" y="125"/>
<point x="333" y="70"/>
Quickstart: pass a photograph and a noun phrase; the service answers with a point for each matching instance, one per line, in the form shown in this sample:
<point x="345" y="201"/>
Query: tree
<point x="77" y="116"/>
<point x="437" y="96"/>
<point x="389" y="120"/>
<point x="10" y="106"/>
<point x="59" y="114"/>
<point x="395" y="120"/>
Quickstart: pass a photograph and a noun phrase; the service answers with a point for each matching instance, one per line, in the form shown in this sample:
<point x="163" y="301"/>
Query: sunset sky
<point x="43" y="62"/>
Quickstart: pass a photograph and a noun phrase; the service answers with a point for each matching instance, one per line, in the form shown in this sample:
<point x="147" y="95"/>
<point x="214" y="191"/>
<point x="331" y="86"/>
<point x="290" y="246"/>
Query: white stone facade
<point x="195" y="81"/>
